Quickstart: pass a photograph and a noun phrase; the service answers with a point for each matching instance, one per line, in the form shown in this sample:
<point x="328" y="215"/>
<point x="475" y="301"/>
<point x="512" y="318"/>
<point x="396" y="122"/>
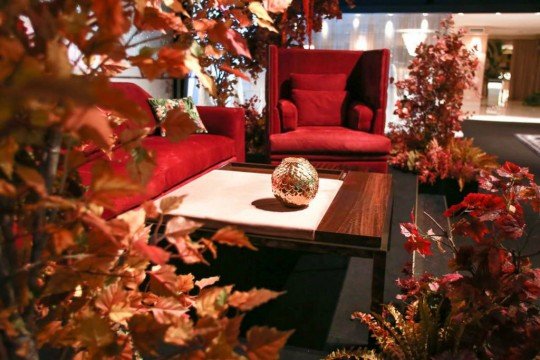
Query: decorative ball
<point x="295" y="182"/>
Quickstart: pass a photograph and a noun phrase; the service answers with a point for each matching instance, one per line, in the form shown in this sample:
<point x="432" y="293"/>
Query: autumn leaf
<point x="32" y="178"/>
<point x="188" y="251"/>
<point x="264" y="343"/>
<point x="232" y="236"/>
<point x="165" y="282"/>
<point x="153" y="253"/>
<point x="8" y="148"/>
<point x="94" y="331"/>
<point x="178" y="125"/>
<point x="202" y="283"/>
<point x="276" y="6"/>
<point x="113" y="301"/>
<point x="229" y="38"/>
<point x="248" y="300"/>
<point x="57" y="58"/>
<point x="147" y="333"/>
<point x="212" y="302"/>
<point x="110" y="16"/>
<point x="152" y="18"/>
<point x="170" y="203"/>
<point x="106" y="185"/>
<point x="166" y="309"/>
<point x="179" y="226"/>
<point x="180" y="332"/>
<point x="141" y="165"/>
<point x="60" y="240"/>
<point x="235" y="72"/>
<point x="150" y="209"/>
<point x="7" y="189"/>
<point x="90" y="124"/>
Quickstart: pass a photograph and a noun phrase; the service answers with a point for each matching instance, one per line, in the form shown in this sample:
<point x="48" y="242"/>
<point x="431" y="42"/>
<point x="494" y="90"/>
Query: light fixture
<point x="425" y="14"/>
<point x="461" y="14"/>
<point x="390" y="15"/>
<point x="356" y="22"/>
<point x="537" y="13"/>
<point x="498" y="13"/>
<point x="389" y="29"/>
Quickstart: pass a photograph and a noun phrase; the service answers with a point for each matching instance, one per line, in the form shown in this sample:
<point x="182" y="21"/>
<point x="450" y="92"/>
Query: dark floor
<point x="323" y="290"/>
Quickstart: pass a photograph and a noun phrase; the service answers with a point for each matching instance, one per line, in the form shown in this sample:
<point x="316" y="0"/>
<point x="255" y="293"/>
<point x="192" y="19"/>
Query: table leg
<point x="377" y="281"/>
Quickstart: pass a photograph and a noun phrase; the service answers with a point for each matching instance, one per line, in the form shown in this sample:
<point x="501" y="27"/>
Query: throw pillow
<point x="320" y="108"/>
<point x="319" y="82"/>
<point x="162" y="106"/>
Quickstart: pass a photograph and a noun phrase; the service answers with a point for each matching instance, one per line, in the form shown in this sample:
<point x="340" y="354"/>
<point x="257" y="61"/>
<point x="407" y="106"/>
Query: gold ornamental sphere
<point x="295" y="182"/>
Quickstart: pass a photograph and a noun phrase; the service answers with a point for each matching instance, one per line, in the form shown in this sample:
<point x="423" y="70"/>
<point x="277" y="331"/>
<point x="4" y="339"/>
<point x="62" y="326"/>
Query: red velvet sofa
<point x="180" y="162"/>
<point x="355" y="138"/>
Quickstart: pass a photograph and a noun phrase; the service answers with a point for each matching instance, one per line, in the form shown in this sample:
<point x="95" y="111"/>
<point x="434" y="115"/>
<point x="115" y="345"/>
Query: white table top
<point x="245" y="199"/>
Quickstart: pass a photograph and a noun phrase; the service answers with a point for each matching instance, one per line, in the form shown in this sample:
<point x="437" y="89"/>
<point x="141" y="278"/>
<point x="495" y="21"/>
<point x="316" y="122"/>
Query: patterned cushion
<point x="162" y="106"/>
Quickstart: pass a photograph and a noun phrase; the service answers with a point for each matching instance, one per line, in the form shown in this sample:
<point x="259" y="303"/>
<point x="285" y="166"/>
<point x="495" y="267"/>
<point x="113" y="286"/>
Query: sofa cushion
<point x="326" y="140"/>
<point x="175" y="163"/>
<point x="360" y="117"/>
<point x="319" y="82"/>
<point x="162" y="106"/>
<point x="320" y="108"/>
<point x="289" y="115"/>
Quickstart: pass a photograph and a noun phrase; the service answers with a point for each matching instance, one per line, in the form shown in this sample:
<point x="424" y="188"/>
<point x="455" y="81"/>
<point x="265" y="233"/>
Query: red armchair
<point x="329" y="107"/>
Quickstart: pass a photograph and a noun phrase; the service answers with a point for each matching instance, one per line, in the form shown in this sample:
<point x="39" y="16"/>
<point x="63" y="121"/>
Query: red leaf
<point x="153" y="253"/>
<point x="230" y="39"/>
<point x="232" y="236"/>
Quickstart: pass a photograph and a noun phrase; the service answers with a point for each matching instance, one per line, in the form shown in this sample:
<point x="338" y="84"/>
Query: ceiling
<point x="516" y="24"/>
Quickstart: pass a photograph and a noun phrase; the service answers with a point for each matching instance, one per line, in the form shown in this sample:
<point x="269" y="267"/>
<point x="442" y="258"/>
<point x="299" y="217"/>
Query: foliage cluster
<point x="486" y="307"/>
<point x="69" y="278"/>
<point x="255" y="125"/>
<point x="430" y="112"/>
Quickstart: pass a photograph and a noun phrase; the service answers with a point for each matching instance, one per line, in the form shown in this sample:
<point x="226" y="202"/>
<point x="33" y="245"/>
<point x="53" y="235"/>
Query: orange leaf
<point x="106" y="185"/>
<point x="180" y="332"/>
<point x="178" y="125"/>
<point x="264" y="343"/>
<point x="94" y="332"/>
<point x="113" y="301"/>
<point x="110" y="16"/>
<point x="247" y="300"/>
<point x="170" y="203"/>
<point x="230" y="39"/>
<point x="233" y="237"/>
<point x="212" y="302"/>
<point x="201" y="284"/>
<point x="276" y="6"/>
<point x="32" y="178"/>
<point x="151" y="252"/>
<point x="165" y="310"/>
<point x="153" y="18"/>
<point x="60" y="240"/>
<point x="7" y="189"/>
<point x="165" y="282"/>
<point x="150" y="209"/>
<point x="8" y="148"/>
<point x="147" y="333"/>
<point x="90" y="125"/>
<point x="232" y="329"/>
<point x="235" y="72"/>
<point x="179" y="226"/>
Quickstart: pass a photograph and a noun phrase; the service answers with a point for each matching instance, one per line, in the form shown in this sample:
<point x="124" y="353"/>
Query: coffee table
<point x="350" y="216"/>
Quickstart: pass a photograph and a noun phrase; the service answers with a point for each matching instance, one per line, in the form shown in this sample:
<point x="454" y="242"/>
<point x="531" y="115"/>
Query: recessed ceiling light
<point x="425" y="14"/>
<point x="498" y="13"/>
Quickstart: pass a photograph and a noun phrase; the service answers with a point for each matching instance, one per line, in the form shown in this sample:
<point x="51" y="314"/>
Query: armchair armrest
<point x="360" y="117"/>
<point x="228" y="122"/>
<point x="289" y="114"/>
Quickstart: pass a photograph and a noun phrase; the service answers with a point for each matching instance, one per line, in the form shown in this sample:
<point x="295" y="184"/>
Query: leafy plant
<point x="70" y="279"/>
<point x="255" y="125"/>
<point x="460" y="160"/>
<point x="431" y="114"/>
<point x="486" y="307"/>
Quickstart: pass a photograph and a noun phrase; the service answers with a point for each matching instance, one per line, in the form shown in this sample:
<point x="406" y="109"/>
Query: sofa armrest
<point x="289" y="115"/>
<point x="228" y="122"/>
<point x="360" y="117"/>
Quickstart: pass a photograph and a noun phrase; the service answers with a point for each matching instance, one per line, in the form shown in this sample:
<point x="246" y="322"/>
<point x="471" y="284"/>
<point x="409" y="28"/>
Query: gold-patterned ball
<point x="295" y="182"/>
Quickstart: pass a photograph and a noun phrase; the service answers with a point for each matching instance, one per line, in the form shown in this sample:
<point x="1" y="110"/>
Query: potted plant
<point x="430" y="113"/>
<point x="486" y="306"/>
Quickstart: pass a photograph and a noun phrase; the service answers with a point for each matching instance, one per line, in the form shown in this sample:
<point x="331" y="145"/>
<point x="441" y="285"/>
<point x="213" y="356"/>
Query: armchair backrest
<point x="367" y="77"/>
